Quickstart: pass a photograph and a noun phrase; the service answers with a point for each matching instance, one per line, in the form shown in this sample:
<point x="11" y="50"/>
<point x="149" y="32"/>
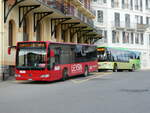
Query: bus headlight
<point x="45" y="76"/>
<point x="17" y="75"/>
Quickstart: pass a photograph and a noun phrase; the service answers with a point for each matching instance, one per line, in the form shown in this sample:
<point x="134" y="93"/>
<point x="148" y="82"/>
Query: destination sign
<point x="39" y="44"/>
<point x="100" y="49"/>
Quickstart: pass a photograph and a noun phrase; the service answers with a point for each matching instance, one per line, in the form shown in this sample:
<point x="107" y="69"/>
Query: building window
<point x="123" y="4"/>
<point x="136" y="5"/>
<point x="147" y="3"/>
<point x="141" y="5"/>
<point x="112" y="3"/>
<point x="104" y="1"/>
<point x="127" y="20"/>
<point x="149" y="39"/>
<point x="132" y="38"/>
<point x="131" y="4"/>
<point x="100" y="16"/>
<point x="137" y="38"/>
<point x="105" y="36"/>
<point x="125" y="37"/>
<point x="139" y="19"/>
<point x="142" y="40"/>
<point x="115" y="37"/>
<point x="115" y="3"/>
<point x="117" y="20"/>
<point x="148" y="20"/>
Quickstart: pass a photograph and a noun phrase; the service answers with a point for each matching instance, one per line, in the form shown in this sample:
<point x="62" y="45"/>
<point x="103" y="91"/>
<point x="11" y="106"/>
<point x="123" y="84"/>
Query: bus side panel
<point x="78" y="68"/>
<point x="105" y="65"/>
<point x="123" y="65"/>
<point x="93" y="66"/>
<point x="55" y="75"/>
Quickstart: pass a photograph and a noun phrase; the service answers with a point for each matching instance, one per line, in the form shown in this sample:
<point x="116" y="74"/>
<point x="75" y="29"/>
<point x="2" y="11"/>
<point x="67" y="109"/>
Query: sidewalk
<point x="6" y="78"/>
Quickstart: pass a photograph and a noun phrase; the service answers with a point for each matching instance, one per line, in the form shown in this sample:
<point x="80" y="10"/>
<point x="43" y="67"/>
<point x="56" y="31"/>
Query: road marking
<point x="97" y="75"/>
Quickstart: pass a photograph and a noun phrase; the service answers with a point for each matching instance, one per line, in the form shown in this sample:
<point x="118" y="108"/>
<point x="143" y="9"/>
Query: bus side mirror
<point x="9" y="49"/>
<point x="52" y="53"/>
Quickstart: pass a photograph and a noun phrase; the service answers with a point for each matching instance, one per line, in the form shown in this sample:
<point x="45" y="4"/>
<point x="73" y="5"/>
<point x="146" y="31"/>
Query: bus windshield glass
<point x="33" y="58"/>
<point x="101" y="54"/>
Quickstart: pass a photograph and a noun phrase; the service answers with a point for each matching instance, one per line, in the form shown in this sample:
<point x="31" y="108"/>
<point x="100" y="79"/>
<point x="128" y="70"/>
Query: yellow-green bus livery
<point x="117" y="59"/>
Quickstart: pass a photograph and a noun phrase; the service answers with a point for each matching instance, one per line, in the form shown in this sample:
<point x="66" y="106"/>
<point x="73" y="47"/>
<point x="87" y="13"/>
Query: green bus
<point x="117" y="59"/>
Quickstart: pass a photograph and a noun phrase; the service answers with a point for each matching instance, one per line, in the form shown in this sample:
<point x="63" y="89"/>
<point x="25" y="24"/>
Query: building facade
<point x="125" y="23"/>
<point x="1" y="30"/>
<point x="44" y="20"/>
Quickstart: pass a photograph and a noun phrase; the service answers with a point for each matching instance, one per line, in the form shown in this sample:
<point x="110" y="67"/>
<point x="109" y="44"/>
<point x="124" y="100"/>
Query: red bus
<point x="49" y="61"/>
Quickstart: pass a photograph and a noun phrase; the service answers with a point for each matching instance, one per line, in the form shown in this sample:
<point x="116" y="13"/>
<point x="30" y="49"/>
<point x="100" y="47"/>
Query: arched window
<point x="10" y="33"/>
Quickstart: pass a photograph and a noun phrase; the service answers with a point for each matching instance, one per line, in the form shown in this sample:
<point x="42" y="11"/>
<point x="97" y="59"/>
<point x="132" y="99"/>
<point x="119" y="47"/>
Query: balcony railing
<point x="123" y="25"/>
<point x="118" y="24"/>
<point x="70" y="11"/>
<point x="66" y="9"/>
<point x="141" y="26"/>
<point x="129" y="26"/>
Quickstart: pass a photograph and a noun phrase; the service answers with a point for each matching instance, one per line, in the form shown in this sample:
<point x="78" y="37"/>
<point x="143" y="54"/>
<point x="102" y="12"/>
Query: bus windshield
<point x="102" y="54"/>
<point x="31" y="58"/>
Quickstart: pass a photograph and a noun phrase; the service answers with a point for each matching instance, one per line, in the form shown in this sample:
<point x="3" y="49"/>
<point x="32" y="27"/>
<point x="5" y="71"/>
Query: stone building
<point x="44" y="20"/>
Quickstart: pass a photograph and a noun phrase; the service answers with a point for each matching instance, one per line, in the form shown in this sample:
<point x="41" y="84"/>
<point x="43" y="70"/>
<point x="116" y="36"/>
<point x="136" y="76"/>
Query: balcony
<point x="78" y="4"/>
<point x="130" y="27"/>
<point x="88" y="12"/>
<point x="84" y="8"/>
<point x="141" y="27"/>
<point x="71" y="11"/>
<point x="118" y="25"/>
<point x="123" y="26"/>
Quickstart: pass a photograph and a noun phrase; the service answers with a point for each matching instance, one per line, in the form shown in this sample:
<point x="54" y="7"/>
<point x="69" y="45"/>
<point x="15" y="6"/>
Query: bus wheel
<point x="133" y="68"/>
<point x="115" y="68"/>
<point x="86" y="71"/>
<point x="65" y="75"/>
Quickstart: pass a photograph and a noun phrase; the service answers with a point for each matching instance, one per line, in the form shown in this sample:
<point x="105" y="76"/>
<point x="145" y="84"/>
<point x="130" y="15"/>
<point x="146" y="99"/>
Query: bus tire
<point x="64" y="74"/>
<point x="86" y="71"/>
<point x="133" y="68"/>
<point x="115" y="68"/>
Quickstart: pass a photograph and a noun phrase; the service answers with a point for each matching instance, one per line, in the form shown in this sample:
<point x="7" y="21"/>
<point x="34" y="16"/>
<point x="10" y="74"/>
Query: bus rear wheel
<point x="133" y="68"/>
<point x="115" y="68"/>
<point x="86" y="71"/>
<point x="65" y="75"/>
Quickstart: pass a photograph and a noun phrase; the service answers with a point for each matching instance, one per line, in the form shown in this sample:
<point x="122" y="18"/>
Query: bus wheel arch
<point x="115" y="67"/>
<point x="65" y="74"/>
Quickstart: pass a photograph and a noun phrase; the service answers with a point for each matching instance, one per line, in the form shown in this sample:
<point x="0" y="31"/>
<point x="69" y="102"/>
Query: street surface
<point x="103" y="92"/>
